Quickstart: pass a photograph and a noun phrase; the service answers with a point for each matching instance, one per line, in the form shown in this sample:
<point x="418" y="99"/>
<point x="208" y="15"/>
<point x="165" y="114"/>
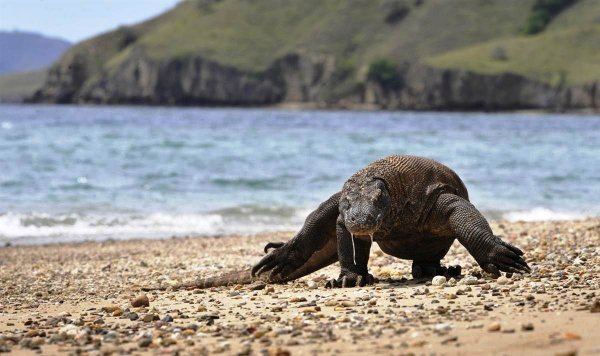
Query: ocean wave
<point x="540" y="213"/>
<point x="45" y="228"/>
<point x="34" y="228"/>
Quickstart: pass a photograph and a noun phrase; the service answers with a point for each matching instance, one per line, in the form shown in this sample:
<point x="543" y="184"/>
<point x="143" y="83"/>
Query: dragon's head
<point x="364" y="203"/>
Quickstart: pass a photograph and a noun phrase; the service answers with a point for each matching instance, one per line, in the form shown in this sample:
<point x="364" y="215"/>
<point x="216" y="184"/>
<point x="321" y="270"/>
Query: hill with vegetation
<point x="18" y="86"/>
<point x="417" y="54"/>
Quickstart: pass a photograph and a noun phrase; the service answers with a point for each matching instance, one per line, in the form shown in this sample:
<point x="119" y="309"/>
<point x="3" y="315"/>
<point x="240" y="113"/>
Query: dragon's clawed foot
<point x="279" y="262"/>
<point x="503" y="257"/>
<point x="351" y="279"/>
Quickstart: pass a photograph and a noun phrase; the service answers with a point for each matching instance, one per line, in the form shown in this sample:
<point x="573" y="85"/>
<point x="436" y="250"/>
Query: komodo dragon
<point x="413" y="207"/>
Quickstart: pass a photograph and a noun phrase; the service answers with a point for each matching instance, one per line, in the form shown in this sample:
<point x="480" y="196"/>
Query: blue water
<point x="73" y="173"/>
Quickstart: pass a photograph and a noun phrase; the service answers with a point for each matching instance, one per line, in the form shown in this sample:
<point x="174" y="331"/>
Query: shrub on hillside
<point x="385" y="73"/>
<point x="543" y="12"/>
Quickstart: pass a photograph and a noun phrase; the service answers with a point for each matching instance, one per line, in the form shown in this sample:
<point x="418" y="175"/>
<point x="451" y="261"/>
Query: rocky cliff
<point x="302" y="79"/>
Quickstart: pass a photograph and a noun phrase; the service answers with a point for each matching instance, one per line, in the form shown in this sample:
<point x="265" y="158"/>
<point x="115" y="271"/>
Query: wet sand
<point x="78" y="298"/>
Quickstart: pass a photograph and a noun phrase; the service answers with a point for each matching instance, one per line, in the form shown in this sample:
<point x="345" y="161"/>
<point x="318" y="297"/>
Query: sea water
<point x="70" y="173"/>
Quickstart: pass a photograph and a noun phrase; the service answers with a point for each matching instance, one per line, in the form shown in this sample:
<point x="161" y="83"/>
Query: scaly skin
<point x="413" y="207"/>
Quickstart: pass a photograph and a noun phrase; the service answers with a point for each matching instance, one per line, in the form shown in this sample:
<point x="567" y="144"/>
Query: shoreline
<point x="316" y="106"/>
<point x="75" y="297"/>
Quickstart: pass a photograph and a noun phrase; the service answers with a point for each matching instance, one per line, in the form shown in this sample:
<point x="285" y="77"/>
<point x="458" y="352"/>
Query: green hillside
<point x="17" y="86"/>
<point x="567" y="52"/>
<point x="250" y="35"/>
<point x="570" y="56"/>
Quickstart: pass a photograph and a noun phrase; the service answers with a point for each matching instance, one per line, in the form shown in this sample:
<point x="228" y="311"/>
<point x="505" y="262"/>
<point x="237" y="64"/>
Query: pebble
<point x="144" y="342"/>
<point x="258" y="286"/>
<point x="297" y="299"/>
<point x="140" y="301"/>
<point x="438" y="281"/>
<point x="495" y="326"/>
<point x="69" y="330"/>
<point x="311" y="285"/>
<point x="149" y="317"/>
<point x="527" y="327"/>
<point x="502" y="280"/>
<point x="471" y="280"/>
<point x="571" y="336"/>
<point x="596" y="306"/>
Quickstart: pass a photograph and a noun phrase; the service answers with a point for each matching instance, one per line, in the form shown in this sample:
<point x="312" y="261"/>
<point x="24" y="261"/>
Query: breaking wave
<point x="46" y="228"/>
<point x="539" y="214"/>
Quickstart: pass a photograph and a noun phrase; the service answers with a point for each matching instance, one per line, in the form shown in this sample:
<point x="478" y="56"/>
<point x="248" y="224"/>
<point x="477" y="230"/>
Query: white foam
<point x="539" y="214"/>
<point x="41" y="227"/>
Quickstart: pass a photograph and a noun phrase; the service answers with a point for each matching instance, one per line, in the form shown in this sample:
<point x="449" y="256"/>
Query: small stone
<point x="596" y="306"/>
<point x="149" y="317"/>
<point x="347" y="304"/>
<point x="438" y="281"/>
<point x="144" y="342"/>
<point x="310" y="310"/>
<point x="140" y="301"/>
<point x="527" y="327"/>
<point x="571" y="336"/>
<point x="167" y="319"/>
<point x="258" y="286"/>
<point x="188" y="332"/>
<point x="69" y="330"/>
<point x="502" y="280"/>
<point x="311" y="285"/>
<point x="117" y="312"/>
<point x="298" y="299"/>
<point x="493" y="327"/>
<point x="110" y="308"/>
<point x="442" y="328"/>
<point x="278" y="351"/>
<point x="133" y="316"/>
<point x="471" y="280"/>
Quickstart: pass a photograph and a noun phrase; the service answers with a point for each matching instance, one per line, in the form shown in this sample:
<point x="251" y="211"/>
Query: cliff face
<point x="296" y="78"/>
<point x="427" y="88"/>
<point x="189" y="80"/>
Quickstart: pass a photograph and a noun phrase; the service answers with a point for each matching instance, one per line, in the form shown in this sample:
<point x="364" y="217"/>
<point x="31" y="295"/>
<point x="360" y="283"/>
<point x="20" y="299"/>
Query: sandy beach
<point x="77" y="298"/>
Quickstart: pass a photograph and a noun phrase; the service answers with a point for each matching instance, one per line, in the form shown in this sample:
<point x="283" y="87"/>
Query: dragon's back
<point x="414" y="182"/>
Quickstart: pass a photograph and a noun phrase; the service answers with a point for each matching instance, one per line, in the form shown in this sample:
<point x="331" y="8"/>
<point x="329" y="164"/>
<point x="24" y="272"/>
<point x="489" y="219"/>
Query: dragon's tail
<point x="227" y="279"/>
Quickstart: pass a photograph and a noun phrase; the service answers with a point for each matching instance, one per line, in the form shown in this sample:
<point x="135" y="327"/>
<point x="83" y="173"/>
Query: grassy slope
<point x="567" y="52"/>
<point x="251" y="34"/>
<point x="15" y="87"/>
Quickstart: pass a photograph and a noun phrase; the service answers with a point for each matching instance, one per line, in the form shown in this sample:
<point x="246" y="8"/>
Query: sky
<point x="75" y="20"/>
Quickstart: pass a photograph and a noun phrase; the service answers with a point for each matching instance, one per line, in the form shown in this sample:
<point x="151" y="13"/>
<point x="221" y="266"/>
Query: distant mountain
<point x="24" y="51"/>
